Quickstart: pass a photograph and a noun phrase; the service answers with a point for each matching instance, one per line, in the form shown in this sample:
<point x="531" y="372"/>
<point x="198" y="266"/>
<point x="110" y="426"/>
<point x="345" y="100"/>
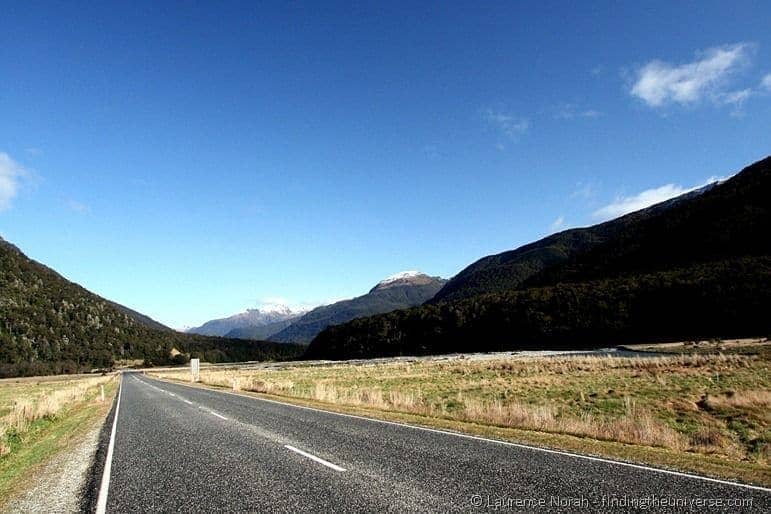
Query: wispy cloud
<point x="509" y="125"/>
<point x="11" y="176"/>
<point x="626" y="204"/>
<point x="78" y="207"/>
<point x="571" y="111"/>
<point x="584" y="191"/>
<point x="660" y="83"/>
<point x="735" y="98"/>
<point x="765" y="83"/>
<point x="432" y="152"/>
<point x="557" y="224"/>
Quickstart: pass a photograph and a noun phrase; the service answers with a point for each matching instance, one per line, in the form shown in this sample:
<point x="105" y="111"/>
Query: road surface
<point x="180" y="448"/>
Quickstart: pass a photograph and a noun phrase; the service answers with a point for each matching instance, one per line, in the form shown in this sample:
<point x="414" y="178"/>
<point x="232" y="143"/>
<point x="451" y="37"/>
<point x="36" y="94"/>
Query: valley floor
<point x="703" y="412"/>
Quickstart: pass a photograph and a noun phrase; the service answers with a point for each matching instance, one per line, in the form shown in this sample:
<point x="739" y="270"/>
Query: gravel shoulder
<point x="57" y="484"/>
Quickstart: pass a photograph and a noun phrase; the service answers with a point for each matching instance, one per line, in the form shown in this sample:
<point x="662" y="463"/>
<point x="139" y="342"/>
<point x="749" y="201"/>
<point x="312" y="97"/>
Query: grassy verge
<point x="708" y="414"/>
<point x="40" y="419"/>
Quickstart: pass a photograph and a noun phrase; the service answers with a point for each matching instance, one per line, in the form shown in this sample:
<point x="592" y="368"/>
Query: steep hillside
<point x="396" y="292"/>
<point x="139" y="317"/>
<point x="717" y="221"/>
<point x="51" y="325"/>
<point x="695" y="266"/>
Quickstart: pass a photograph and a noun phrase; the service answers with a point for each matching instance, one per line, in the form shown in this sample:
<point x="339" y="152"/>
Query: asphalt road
<point x="180" y="448"/>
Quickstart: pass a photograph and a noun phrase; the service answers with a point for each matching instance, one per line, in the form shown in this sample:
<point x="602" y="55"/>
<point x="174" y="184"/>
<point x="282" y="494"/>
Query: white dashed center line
<point x="314" y="458"/>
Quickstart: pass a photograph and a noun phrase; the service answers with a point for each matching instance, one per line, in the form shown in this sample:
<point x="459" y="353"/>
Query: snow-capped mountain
<point x="266" y="315"/>
<point x="404" y="278"/>
<point x="399" y="291"/>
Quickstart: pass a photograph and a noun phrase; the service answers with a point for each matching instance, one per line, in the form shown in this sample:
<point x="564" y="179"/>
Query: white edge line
<point x="218" y="415"/>
<point x="104" y="488"/>
<point x="506" y="443"/>
<point x="314" y="458"/>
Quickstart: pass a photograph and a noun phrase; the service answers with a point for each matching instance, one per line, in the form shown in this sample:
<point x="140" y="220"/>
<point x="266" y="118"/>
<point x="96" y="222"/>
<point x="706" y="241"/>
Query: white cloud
<point x="511" y="126"/>
<point x="78" y="207"/>
<point x="583" y="191"/>
<point x="570" y="111"/>
<point x="766" y="82"/>
<point x="735" y="98"/>
<point x="557" y="224"/>
<point x="659" y="83"/>
<point x="626" y="204"/>
<point x="11" y="176"/>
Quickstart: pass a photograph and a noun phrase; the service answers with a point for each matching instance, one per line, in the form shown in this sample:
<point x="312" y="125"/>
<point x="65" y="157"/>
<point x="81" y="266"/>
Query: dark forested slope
<point x="51" y="325"/>
<point x="720" y="220"/>
<point x="697" y="265"/>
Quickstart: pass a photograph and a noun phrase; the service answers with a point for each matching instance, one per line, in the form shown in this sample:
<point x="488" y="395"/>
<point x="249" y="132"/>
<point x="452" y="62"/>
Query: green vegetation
<point x="694" y="267"/>
<point x="706" y="413"/>
<point x="49" y="325"/>
<point x="38" y="419"/>
<point x="721" y="298"/>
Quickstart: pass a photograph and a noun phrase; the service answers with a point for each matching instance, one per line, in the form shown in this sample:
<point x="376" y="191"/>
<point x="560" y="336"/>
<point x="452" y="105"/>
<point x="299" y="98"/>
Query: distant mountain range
<point x="695" y="266"/>
<point x="399" y="291"/>
<point x="51" y="325"/>
<point x="252" y="321"/>
<point x="261" y="333"/>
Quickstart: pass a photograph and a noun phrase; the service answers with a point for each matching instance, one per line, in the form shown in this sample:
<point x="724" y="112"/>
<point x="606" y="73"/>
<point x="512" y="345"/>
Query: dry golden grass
<point x="32" y="402"/>
<point x="697" y="403"/>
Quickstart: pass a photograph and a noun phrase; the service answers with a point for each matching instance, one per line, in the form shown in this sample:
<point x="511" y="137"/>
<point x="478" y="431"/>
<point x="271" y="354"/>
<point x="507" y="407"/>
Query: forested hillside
<point x="720" y="220"/>
<point x="716" y="299"/>
<point x="695" y="266"/>
<point x="51" y="325"/>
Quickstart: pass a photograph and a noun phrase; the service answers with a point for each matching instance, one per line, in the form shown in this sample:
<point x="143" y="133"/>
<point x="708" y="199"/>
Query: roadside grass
<point x="704" y="413"/>
<point x="38" y="419"/>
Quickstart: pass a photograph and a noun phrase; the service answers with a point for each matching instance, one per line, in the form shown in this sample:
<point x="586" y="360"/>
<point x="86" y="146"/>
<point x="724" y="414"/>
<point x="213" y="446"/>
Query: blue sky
<point x="193" y="161"/>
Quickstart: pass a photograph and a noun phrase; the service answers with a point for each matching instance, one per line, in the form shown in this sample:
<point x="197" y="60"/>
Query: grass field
<point x="700" y="412"/>
<point x="39" y="417"/>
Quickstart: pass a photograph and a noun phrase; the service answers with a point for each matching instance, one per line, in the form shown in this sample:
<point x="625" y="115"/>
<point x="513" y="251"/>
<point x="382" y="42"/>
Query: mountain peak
<point x="402" y="275"/>
<point x="399" y="291"/>
<point x="266" y="314"/>
<point x="273" y="308"/>
<point x="404" y="278"/>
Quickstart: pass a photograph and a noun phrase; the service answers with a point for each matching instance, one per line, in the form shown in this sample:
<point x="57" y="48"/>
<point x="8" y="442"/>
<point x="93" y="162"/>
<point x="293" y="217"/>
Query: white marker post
<point x="195" y="368"/>
<point x="101" y="393"/>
